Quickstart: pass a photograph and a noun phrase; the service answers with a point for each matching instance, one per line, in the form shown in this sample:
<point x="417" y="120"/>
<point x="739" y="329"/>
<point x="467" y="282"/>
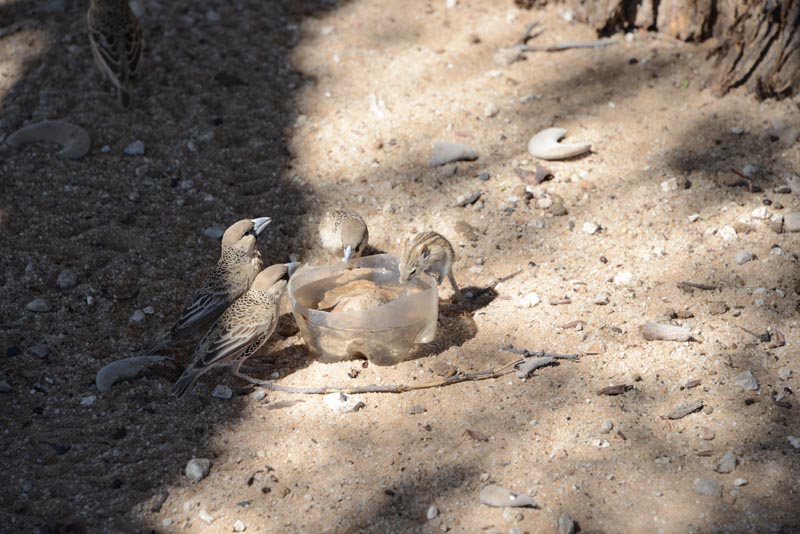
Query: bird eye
<point x="251" y="231"/>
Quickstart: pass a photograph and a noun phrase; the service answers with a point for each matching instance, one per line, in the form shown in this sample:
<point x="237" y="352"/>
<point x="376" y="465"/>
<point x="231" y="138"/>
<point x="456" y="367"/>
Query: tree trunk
<point x="759" y="40"/>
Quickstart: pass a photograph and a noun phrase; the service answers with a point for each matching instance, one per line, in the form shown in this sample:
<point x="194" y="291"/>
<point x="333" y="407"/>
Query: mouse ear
<point x="425" y="251"/>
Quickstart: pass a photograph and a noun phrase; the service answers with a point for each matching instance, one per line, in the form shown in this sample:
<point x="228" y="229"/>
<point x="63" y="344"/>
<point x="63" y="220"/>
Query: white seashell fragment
<point x="665" y="332"/>
<point x="545" y="145"/>
<point x="74" y="140"/>
<point x="493" y="495"/>
<point x="122" y="369"/>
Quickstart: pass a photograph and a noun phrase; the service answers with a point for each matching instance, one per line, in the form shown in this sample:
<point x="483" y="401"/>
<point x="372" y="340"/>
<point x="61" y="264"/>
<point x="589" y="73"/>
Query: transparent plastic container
<point x="386" y="334"/>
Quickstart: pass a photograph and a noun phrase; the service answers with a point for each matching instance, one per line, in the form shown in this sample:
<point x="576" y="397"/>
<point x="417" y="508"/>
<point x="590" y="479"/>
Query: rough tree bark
<point x="759" y="40"/>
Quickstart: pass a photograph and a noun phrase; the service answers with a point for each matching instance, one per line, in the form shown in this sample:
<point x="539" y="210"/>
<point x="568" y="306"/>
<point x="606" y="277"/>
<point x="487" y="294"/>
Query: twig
<point x="526" y="35"/>
<point x="566" y="46"/>
<point x="394" y="388"/>
<point x="695" y="285"/>
<point x="539" y="353"/>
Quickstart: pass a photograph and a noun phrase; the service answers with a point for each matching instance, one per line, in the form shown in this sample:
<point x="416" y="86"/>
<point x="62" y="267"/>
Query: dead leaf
<point x="477" y="436"/>
<point x="619" y="389"/>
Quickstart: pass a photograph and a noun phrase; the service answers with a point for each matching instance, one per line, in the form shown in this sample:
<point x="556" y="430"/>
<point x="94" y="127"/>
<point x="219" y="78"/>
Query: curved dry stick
<point x="74" y="140"/>
<point x="545" y="145"/>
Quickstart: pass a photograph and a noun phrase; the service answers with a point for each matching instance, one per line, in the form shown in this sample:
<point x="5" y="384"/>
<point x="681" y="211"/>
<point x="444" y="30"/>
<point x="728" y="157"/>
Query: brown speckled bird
<point x="430" y="252"/>
<point x="344" y="234"/>
<point x="238" y="265"/>
<point x="244" y="327"/>
<point x="116" y="40"/>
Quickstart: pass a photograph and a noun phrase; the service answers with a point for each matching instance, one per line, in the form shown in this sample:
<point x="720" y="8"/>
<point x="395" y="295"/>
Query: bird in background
<point x="239" y="264"/>
<point x="344" y="234"/>
<point x="241" y="331"/>
<point x="116" y="41"/>
<point x="428" y="252"/>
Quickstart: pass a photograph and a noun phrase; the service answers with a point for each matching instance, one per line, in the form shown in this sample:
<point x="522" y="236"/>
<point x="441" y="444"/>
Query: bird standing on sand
<point x="344" y="234"/>
<point x="232" y="276"/>
<point x="430" y="252"/>
<point x="244" y="327"/>
<point x="116" y="40"/>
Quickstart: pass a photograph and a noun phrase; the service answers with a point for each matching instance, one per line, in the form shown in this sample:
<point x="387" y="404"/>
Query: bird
<point x="344" y="234"/>
<point x="241" y="331"/>
<point x="428" y="252"/>
<point x="115" y="37"/>
<point x="231" y="277"/>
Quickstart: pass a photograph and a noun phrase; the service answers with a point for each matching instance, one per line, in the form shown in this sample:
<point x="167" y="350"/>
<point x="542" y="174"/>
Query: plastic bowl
<point x="386" y="334"/>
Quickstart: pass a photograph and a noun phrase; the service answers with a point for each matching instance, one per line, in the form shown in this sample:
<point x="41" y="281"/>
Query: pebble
<point x="590" y="228"/>
<point x="39" y="305"/>
<point x="258" y="395"/>
<point x="782" y="189"/>
<point x="137" y="316"/>
<point x="791" y="222"/>
<point x="736" y="130"/>
<point x="750" y="170"/>
<point x="600" y="300"/>
<point x="88" y="400"/>
<point x="205" y="516"/>
<point x="717" y="307"/>
<point x="148" y="310"/>
<point x="444" y="152"/>
<point x="529" y="300"/>
<point x="670" y="185"/>
<point x="221" y="391"/>
<point x="760" y="213"/>
<point x="794" y="441"/>
<point x="497" y="496"/>
<point x="468" y="198"/>
<point x="67" y="279"/>
<point x="693" y="217"/>
<point x="740" y="482"/>
<point x="197" y="469"/>
<point x="239" y="526"/>
<point x="167" y="521"/>
<point x="743" y="256"/>
<point x="705" y="486"/>
<point x="212" y="16"/>
<point x="746" y="380"/>
<point x="706" y="433"/>
<point x="728" y="233"/>
<point x="343" y="403"/>
<point x="40" y="350"/>
<point x="509" y="514"/>
<point x="214" y="232"/>
<point x="484" y="176"/>
<point x="606" y="427"/>
<point x="491" y="110"/>
<point x="135" y="149"/>
<point x="623" y="278"/>
<point x="727" y="463"/>
<point x="432" y="512"/>
<point x="190" y="505"/>
<point x="566" y="525"/>
<point x="4" y="387"/>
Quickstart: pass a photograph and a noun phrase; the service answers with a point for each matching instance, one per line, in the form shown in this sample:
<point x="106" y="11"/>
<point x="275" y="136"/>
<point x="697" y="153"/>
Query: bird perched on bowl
<point x="238" y="265"/>
<point x="428" y="252"/>
<point x="239" y="332"/>
<point x="344" y="234"/>
<point x="115" y="37"/>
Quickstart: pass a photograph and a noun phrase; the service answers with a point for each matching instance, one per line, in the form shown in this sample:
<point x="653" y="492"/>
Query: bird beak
<point x="291" y="267"/>
<point x="348" y="253"/>
<point x="260" y="223"/>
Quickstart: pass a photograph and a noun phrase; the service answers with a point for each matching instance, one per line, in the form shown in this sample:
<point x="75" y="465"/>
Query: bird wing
<point x="119" y="56"/>
<point x="230" y="343"/>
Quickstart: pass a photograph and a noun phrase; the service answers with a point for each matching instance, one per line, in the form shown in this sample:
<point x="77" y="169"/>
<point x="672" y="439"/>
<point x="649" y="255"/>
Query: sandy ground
<point x="287" y="109"/>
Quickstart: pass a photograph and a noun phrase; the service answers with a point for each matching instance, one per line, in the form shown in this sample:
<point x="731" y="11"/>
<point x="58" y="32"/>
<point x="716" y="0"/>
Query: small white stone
<point x="137" y="316"/>
<point x="67" y="279"/>
<point x="342" y="403"/>
<point x="88" y="400"/>
<point x="432" y="512"/>
<point x="737" y="130"/>
<point x="623" y="278"/>
<point x="760" y="213"/>
<point x="239" y="526"/>
<point x="590" y="228"/>
<point x="39" y="305"/>
<point x="197" y="469"/>
<point x="490" y="110"/>
<point x="205" y="516"/>
<point x="743" y="256"/>
<point x="670" y="185"/>
<point x="529" y="300"/>
<point x="105" y="149"/>
<point x="258" y="395"/>
<point x="606" y="427"/>
<point x="601" y="300"/>
<point x="746" y="380"/>
<point x="728" y="233"/>
<point x="212" y="16"/>
<point x="148" y="310"/>
<point x="221" y="391"/>
<point x="693" y="217"/>
<point x="135" y="149"/>
<point x="794" y="441"/>
<point x="740" y="482"/>
<point x="750" y="170"/>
